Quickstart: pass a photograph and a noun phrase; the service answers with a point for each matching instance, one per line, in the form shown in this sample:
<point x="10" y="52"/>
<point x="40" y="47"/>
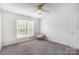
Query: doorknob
<point x="72" y="32"/>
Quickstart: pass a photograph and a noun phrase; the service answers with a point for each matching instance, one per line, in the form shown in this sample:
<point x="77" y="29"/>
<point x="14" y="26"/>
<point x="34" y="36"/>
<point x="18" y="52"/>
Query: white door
<point x="0" y="31"/>
<point x="76" y="34"/>
<point x="75" y="31"/>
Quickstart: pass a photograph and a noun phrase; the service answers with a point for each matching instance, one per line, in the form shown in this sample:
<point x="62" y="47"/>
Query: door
<point x="75" y="31"/>
<point x="76" y="34"/>
<point x="0" y="31"/>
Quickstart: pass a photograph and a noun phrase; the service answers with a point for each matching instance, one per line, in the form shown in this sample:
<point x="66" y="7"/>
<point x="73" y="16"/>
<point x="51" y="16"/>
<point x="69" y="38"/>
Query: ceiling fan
<point x="40" y="8"/>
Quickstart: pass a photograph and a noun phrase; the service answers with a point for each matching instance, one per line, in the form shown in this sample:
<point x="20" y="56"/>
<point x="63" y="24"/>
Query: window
<point x="25" y="28"/>
<point x="30" y="28"/>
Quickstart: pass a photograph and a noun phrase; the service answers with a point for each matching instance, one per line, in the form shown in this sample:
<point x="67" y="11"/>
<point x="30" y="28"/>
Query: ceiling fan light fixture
<point x="39" y="11"/>
<point x="40" y="8"/>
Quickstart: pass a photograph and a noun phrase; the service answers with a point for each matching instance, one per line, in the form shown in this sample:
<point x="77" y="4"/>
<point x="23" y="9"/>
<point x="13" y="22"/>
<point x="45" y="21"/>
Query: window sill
<point x="25" y="36"/>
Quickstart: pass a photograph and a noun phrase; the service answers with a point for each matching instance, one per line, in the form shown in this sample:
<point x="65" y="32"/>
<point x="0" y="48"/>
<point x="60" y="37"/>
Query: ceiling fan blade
<point x="41" y="5"/>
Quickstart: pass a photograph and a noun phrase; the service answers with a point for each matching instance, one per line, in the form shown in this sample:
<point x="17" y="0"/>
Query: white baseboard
<point x="61" y="43"/>
<point x="17" y="41"/>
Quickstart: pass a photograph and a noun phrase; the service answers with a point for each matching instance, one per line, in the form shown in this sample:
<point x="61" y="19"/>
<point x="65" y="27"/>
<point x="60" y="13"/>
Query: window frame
<point x="26" y="28"/>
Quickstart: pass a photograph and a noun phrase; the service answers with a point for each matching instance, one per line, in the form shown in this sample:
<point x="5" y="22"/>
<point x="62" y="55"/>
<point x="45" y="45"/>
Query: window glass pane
<point x="21" y="28"/>
<point x="30" y="28"/>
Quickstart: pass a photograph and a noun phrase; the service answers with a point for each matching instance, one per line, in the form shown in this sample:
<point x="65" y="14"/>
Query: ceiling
<point x="29" y="9"/>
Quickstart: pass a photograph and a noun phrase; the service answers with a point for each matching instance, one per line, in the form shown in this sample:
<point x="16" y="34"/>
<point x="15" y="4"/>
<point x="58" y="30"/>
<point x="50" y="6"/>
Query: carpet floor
<point x="38" y="47"/>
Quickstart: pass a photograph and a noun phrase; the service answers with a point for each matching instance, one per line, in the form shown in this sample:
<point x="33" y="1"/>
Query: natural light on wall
<point x="25" y="28"/>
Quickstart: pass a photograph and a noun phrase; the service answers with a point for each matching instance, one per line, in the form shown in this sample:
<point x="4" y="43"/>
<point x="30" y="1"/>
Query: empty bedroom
<point x="39" y="28"/>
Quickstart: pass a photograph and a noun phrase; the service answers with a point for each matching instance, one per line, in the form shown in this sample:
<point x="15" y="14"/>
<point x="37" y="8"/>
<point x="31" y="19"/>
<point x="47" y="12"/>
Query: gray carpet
<point x="38" y="47"/>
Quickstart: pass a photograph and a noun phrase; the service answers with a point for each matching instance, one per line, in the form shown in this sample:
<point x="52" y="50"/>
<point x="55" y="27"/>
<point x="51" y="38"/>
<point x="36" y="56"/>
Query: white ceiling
<point x="29" y="9"/>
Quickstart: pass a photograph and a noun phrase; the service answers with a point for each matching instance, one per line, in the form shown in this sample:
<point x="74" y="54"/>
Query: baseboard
<point x="17" y="41"/>
<point x="61" y="43"/>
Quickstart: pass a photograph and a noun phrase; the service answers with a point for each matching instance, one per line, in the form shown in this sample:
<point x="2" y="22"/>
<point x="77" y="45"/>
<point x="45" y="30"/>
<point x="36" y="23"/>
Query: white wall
<point x="59" y="25"/>
<point x="9" y="27"/>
